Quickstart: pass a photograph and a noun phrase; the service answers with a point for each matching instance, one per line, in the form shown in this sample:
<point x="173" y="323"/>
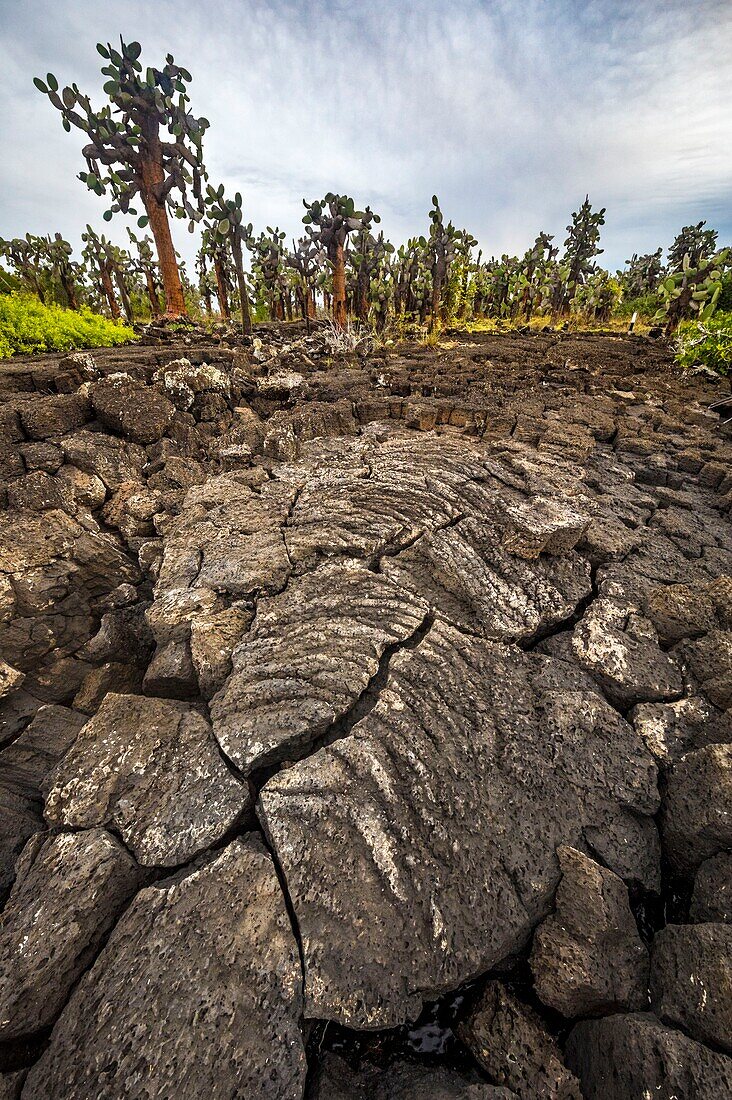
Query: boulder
<point x="10" y="679"/>
<point x="691" y="980"/>
<point x="137" y="412"/>
<point x="636" y="1056"/>
<point x="710" y="662"/>
<point x="197" y="993"/>
<point x="670" y="730"/>
<point x="587" y="957"/>
<point x="696" y="817"/>
<point x="712" y="897"/>
<point x="150" y="769"/>
<point x="619" y="649"/>
<point x="510" y="1042"/>
<point x="68" y="891"/>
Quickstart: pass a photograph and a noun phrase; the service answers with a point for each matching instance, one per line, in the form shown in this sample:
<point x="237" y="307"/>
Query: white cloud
<point x="510" y="111"/>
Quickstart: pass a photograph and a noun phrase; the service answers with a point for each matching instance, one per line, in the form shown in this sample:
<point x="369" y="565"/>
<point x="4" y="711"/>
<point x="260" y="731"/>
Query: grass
<point x="28" y="327"/>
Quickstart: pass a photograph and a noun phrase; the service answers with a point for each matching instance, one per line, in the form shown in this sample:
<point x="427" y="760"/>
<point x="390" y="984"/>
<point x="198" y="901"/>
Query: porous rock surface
<point x="587" y="957"/>
<point x="150" y="768"/>
<point x="420" y="621"/>
<point x="197" y="993"/>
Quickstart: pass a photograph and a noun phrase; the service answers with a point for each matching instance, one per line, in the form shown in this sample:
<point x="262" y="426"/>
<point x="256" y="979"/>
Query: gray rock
<point x="69" y="890"/>
<point x="473" y="582"/>
<point x="710" y="661"/>
<point x="10" y="679"/>
<point x="335" y="1080"/>
<point x="587" y="957"/>
<point x="420" y="850"/>
<point x="110" y="460"/>
<point x="509" y="1041"/>
<point x="696" y="817"/>
<point x="24" y="766"/>
<point x="619" y="648"/>
<point x="139" y="413"/>
<point x="44" y="417"/>
<point x="670" y="730"/>
<point x="309" y="655"/>
<point x="197" y="994"/>
<point x="149" y="768"/>
<point x="636" y="1056"/>
<point x="691" y="980"/>
<point x="712" y="897"/>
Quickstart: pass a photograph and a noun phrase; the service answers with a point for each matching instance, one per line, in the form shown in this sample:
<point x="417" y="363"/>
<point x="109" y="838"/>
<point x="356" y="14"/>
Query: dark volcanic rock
<point x="197" y="993"/>
<point x="310" y="654"/>
<point x="619" y="650"/>
<point x="24" y="766"/>
<point x="670" y="730"/>
<point x="636" y="1056"/>
<point x="420" y="850"/>
<point x="587" y="957"/>
<point x="335" y="1080"/>
<point x="691" y="980"/>
<point x="149" y="768"/>
<point x="137" y="412"/>
<point x="712" y="897"/>
<point x="509" y="1042"/>
<point x="696" y="818"/>
<point x="68" y="892"/>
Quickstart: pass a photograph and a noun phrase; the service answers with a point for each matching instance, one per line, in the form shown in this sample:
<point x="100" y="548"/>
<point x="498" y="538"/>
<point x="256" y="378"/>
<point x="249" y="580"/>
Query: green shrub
<point x="645" y="307"/>
<point x="27" y="327"/>
<point x="706" y="343"/>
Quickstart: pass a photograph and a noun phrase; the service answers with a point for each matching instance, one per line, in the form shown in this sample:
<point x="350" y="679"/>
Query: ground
<point x="365" y="720"/>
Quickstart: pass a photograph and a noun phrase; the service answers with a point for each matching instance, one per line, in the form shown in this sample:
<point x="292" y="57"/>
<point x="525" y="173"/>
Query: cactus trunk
<point x="152" y="180"/>
<point x="246" y="316"/>
<point x="339" y="283"/>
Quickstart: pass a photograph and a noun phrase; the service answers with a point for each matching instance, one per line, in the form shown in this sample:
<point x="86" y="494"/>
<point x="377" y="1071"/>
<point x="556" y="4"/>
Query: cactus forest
<point x="143" y="156"/>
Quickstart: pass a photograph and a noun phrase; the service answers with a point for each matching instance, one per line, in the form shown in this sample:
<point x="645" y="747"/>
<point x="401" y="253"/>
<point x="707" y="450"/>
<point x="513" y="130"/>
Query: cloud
<point x="511" y="111"/>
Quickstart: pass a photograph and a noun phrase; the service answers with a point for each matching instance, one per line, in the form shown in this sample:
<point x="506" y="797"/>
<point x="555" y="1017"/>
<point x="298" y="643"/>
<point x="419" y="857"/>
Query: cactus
<point x="268" y="265"/>
<point x="129" y="156"/>
<point x="146" y="267"/>
<point x="642" y="274"/>
<point x="329" y="223"/>
<point x="692" y="291"/>
<point x="226" y="221"/>
<point x="693" y="241"/>
<point x="580" y="247"/>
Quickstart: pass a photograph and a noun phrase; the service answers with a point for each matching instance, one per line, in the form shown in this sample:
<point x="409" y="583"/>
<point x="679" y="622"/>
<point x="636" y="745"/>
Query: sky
<point x="509" y="110"/>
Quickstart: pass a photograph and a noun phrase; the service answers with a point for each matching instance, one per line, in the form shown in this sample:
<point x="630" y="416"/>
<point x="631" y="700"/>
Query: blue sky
<point x="509" y="111"/>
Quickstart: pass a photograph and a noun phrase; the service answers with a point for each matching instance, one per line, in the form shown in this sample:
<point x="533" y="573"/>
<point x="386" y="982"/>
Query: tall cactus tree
<point x="642" y="274"/>
<point x="693" y="241"/>
<point x="26" y="256"/>
<point x="329" y="223"/>
<point x="227" y="222"/>
<point x="129" y="152"/>
<point x="580" y="247"/>
<point x="101" y="265"/>
<point x="59" y="253"/>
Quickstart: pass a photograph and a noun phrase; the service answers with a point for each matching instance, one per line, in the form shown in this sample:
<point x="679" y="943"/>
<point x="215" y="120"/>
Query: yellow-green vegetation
<point x="27" y="327"/>
<point x="706" y="343"/>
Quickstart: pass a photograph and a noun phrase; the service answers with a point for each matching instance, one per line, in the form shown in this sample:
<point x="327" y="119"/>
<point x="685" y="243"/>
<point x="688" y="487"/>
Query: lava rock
<point x="420" y="850"/>
<point x="149" y="768"/>
<point x="696" y="817"/>
<point x="139" y="413"/>
<point x="69" y="890"/>
<point x="712" y="897"/>
<point x="620" y="1057"/>
<point x="24" y="766"/>
<point x="587" y="957"/>
<point x="310" y="654"/>
<point x="509" y="1041"/>
<point x="197" y="993"/>
<point x="691" y="980"/>
<point x="616" y="647"/>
